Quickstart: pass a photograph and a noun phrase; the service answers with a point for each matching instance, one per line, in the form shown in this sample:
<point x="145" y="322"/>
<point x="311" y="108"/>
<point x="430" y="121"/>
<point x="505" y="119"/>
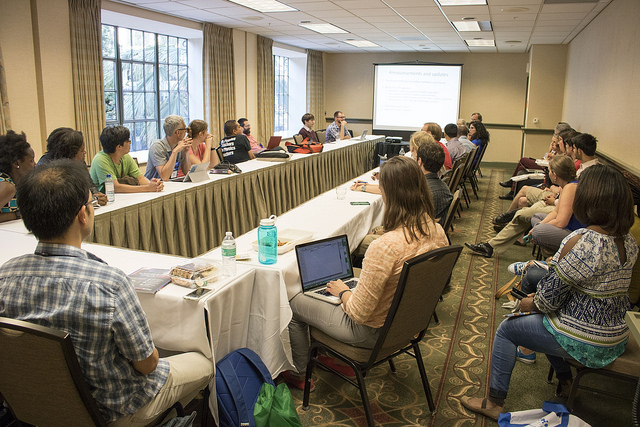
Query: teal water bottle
<point x="268" y="241"/>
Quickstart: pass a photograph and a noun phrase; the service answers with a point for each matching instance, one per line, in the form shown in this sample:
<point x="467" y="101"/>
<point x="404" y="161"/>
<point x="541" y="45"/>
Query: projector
<point x="394" y="139"/>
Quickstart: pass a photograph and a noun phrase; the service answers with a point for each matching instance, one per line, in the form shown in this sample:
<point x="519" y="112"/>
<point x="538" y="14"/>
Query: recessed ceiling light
<point x="361" y="43"/>
<point x="265" y="6"/>
<point x="480" y="43"/>
<point x="461" y="2"/>
<point x="515" y="9"/>
<point x="324" y="28"/>
<point x="466" y="25"/>
<point x="253" y="18"/>
<point x="513" y="41"/>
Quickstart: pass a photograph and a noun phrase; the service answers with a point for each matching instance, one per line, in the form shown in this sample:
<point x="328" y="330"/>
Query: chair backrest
<point x="219" y="153"/>
<point x="479" y="156"/>
<point x="421" y="283"/>
<point x="453" y="208"/>
<point x="322" y="136"/>
<point x="297" y="138"/>
<point x="468" y="166"/>
<point x="41" y="378"/>
<point x="456" y="177"/>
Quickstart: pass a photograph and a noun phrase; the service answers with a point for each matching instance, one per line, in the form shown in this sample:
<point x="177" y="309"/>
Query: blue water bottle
<point x="268" y="241"/>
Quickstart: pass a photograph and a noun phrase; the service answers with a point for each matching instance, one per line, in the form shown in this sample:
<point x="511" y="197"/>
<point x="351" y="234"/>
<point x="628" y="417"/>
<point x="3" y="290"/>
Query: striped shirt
<point x="70" y="289"/>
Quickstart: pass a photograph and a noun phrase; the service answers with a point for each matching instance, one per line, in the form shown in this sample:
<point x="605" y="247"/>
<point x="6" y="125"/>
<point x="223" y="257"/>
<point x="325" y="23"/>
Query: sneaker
<point x="483" y="249"/>
<point x="334" y="364"/>
<point x="517" y="268"/>
<point x="295" y="380"/>
<point x="529" y="359"/>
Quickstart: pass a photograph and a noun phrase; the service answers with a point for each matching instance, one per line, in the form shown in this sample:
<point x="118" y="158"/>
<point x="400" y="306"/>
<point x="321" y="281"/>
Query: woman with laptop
<point x="409" y="230"/>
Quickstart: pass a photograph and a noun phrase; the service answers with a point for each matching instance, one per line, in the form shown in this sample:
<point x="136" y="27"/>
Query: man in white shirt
<point x="585" y="150"/>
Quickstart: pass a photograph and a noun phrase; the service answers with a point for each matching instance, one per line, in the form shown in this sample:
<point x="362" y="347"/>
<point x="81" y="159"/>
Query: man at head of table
<point x="338" y="129"/>
<point x="95" y="303"/>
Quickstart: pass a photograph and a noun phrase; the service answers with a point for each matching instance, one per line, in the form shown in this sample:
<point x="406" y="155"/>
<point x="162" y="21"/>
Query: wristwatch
<point x="341" y="293"/>
<point x="363" y="188"/>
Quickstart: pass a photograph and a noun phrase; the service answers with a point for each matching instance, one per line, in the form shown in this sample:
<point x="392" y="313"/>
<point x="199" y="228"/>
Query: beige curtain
<point x="5" y="119"/>
<point x="315" y="87"/>
<point x="219" y="85"/>
<point x="266" y="91"/>
<point x="86" y="63"/>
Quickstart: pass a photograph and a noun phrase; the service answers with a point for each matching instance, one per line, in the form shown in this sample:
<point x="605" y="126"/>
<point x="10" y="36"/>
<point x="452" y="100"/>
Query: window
<point x="290" y="88"/>
<point x="281" y="107"/>
<point x="145" y="78"/>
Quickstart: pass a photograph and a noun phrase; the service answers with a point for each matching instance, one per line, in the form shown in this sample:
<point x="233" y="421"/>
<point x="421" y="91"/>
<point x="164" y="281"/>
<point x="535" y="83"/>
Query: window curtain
<point x="315" y="87"/>
<point x="219" y="91"/>
<point x="86" y="64"/>
<point x="5" y="120"/>
<point x="266" y="91"/>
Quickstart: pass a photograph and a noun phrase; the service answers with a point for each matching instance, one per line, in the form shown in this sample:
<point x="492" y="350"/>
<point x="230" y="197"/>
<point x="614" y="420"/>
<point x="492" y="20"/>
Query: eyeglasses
<point x="183" y="129"/>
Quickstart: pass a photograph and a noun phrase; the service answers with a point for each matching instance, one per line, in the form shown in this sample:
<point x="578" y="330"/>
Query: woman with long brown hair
<point x="409" y="230"/>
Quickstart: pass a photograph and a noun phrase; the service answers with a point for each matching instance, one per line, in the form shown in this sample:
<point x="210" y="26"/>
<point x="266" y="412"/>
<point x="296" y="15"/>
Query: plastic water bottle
<point x="401" y="151"/>
<point x="268" y="241"/>
<point x="109" y="189"/>
<point x="228" y="255"/>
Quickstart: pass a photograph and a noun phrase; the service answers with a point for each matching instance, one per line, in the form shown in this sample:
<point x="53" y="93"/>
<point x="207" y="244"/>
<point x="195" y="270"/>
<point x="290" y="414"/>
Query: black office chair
<point x="411" y="310"/>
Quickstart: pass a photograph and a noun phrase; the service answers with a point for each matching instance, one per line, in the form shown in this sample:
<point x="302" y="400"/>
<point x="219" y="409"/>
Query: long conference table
<point x="250" y="309"/>
<point x="189" y="219"/>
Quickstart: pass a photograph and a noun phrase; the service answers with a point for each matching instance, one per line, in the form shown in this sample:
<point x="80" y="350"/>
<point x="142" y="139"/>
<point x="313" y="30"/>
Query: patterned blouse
<point x="585" y="297"/>
<point x="12" y="205"/>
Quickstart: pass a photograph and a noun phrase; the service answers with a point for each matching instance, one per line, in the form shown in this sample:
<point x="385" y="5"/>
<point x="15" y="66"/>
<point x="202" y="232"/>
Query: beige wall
<point x="36" y="49"/>
<point x="494" y="84"/>
<point x="603" y="83"/>
<point x="245" y="50"/>
<point x="547" y="69"/>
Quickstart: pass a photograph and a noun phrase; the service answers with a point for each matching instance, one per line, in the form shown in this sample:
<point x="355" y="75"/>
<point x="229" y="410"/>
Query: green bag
<point x="275" y="408"/>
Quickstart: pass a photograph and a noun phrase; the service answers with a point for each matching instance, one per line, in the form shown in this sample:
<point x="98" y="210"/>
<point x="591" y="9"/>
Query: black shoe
<point x="483" y="249"/>
<point x="508" y="196"/>
<point x="506" y="184"/>
<point x="498" y="227"/>
<point x="504" y="218"/>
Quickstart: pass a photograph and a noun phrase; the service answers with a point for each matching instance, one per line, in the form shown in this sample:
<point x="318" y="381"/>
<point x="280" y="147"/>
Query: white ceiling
<point x="397" y="25"/>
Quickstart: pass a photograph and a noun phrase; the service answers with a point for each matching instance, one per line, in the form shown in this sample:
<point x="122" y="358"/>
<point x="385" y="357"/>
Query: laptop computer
<point x="197" y="173"/>
<point x="274" y="141"/>
<point x="361" y="137"/>
<point x="322" y="261"/>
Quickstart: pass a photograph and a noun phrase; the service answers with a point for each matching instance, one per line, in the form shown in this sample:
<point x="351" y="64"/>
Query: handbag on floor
<point x="551" y="415"/>
<point x="275" y="407"/>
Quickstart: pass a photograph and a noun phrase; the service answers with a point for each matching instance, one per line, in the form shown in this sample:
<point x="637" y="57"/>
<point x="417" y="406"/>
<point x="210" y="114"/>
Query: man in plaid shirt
<point x="65" y="287"/>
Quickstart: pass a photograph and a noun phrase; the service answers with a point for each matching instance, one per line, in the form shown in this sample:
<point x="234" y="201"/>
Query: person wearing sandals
<point x="579" y="306"/>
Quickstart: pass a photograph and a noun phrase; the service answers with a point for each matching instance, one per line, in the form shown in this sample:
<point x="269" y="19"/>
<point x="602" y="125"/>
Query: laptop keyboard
<point x="350" y="283"/>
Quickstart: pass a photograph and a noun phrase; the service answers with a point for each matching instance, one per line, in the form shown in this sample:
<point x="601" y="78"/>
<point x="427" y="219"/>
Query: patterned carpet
<point x="457" y="351"/>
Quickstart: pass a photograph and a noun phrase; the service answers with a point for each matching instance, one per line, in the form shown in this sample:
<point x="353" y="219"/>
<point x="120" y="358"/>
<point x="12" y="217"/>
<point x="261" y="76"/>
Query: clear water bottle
<point x="229" y="255"/>
<point x="268" y="241"/>
<point x="109" y="189"/>
<point x="401" y="151"/>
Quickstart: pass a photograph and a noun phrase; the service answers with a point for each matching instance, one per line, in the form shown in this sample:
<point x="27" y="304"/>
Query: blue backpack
<point x="239" y="377"/>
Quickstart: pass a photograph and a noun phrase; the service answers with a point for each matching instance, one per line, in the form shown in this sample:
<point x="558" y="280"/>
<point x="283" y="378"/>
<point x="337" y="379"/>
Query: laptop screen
<point x="324" y="260"/>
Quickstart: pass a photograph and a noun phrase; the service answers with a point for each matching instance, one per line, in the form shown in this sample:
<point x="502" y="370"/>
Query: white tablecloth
<point x="323" y="216"/>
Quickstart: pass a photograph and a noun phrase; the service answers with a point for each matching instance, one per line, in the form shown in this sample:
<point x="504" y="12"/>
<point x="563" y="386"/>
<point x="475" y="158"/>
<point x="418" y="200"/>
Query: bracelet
<point x="341" y="293"/>
<point x="363" y="188"/>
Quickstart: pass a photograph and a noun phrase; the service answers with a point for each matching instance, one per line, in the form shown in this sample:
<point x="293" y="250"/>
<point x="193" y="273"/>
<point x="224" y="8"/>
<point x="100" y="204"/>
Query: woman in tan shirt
<point x="409" y="231"/>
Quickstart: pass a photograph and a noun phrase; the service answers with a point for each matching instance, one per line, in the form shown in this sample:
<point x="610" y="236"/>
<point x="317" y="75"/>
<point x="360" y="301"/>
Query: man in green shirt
<point x="114" y="160"/>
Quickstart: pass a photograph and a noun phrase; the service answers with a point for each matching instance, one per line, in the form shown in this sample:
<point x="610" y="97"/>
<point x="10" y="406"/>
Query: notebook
<point x="322" y="261"/>
<point x="361" y="137"/>
<point x="196" y="174"/>
<point x="274" y="141"/>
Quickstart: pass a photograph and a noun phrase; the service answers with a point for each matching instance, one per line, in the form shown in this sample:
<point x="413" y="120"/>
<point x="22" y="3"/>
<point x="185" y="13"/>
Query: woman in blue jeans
<point x="580" y="304"/>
